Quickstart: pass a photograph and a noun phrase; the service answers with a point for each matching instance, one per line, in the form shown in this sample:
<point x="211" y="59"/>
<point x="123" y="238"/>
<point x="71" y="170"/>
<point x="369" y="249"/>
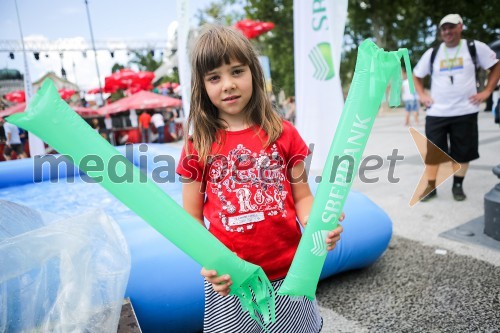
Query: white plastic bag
<point x="68" y="276"/>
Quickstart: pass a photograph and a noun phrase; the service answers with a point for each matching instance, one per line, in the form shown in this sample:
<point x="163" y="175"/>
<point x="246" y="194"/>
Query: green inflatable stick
<point x="51" y="119"/>
<point x="374" y="70"/>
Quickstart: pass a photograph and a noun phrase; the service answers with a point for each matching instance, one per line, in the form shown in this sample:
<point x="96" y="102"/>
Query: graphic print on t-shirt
<point x="454" y="65"/>
<point x="249" y="185"/>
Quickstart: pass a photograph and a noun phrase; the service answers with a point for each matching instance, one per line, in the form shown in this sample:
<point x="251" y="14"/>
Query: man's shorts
<point x="411" y="105"/>
<point x="462" y="132"/>
<point x="17" y="147"/>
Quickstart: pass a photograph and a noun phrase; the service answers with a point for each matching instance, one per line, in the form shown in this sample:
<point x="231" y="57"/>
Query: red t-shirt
<point x="248" y="200"/>
<point x="145" y="119"/>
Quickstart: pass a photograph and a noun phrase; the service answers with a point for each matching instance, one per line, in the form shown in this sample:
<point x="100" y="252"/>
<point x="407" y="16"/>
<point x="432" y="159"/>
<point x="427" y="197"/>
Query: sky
<point x="50" y="20"/>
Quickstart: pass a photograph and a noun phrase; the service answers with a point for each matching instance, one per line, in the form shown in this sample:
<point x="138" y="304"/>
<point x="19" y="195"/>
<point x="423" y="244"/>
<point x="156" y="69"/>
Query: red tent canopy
<point x="141" y="101"/>
<point x="82" y="111"/>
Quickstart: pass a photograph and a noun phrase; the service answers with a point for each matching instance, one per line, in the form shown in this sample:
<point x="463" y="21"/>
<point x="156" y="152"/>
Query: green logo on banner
<point x="321" y="58"/>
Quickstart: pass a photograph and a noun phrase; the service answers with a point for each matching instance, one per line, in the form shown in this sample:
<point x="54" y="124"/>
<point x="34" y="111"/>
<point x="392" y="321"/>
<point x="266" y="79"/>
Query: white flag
<point x="318" y="37"/>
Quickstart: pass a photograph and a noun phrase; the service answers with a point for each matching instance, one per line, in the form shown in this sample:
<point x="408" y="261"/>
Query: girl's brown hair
<point x="215" y="46"/>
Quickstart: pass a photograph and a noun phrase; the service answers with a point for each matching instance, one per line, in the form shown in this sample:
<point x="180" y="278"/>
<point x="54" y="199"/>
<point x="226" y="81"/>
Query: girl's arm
<point x="301" y="192"/>
<point x="192" y="201"/>
<point x="193" y="198"/>
<point x="303" y="199"/>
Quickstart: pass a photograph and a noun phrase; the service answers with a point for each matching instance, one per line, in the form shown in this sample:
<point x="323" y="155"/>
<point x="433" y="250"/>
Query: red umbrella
<point x="128" y="79"/>
<point x="140" y="101"/>
<point x="66" y="93"/>
<point x="111" y="84"/>
<point x="125" y="76"/>
<point x="22" y="106"/>
<point x="17" y="96"/>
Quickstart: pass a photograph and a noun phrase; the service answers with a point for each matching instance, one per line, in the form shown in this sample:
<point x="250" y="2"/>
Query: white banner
<point x="182" y="54"/>
<point x="318" y="38"/>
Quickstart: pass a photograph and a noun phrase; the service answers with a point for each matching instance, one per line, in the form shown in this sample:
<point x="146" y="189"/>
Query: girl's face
<point x="229" y="88"/>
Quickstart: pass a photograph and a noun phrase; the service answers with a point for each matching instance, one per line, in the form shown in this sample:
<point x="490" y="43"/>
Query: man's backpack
<point x="472" y="50"/>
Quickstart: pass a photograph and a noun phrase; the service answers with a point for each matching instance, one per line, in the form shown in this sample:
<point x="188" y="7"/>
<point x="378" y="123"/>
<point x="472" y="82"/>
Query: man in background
<point x="453" y="103"/>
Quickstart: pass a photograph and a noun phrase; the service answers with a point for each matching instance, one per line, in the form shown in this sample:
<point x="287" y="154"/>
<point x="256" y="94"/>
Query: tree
<point x="395" y="23"/>
<point x="174" y="77"/>
<point x="117" y="67"/>
<point x="391" y="24"/>
<point x="277" y="44"/>
<point x="146" y="62"/>
<point x="225" y="12"/>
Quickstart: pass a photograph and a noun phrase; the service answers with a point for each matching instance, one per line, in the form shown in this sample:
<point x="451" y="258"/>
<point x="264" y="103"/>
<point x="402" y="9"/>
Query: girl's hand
<point x="221" y="284"/>
<point x="334" y="235"/>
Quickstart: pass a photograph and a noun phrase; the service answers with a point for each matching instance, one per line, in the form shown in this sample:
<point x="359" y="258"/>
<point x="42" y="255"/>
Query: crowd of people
<point x="148" y="126"/>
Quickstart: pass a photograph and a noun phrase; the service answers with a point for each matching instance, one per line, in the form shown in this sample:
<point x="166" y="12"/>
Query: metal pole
<point x="95" y="52"/>
<point x="37" y="147"/>
<point x="28" y="88"/>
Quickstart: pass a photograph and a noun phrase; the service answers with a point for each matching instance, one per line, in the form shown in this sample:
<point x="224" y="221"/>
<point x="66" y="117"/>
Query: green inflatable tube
<point x="52" y="120"/>
<point x="375" y="69"/>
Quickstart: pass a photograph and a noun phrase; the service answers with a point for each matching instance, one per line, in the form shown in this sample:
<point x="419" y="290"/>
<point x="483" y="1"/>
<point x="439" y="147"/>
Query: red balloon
<point x="267" y="26"/>
<point x="252" y="29"/>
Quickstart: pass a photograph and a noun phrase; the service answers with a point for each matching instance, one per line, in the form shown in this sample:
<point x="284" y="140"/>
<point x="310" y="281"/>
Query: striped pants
<point x="223" y="314"/>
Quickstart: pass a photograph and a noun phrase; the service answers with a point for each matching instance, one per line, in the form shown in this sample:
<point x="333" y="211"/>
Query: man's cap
<point x="451" y="18"/>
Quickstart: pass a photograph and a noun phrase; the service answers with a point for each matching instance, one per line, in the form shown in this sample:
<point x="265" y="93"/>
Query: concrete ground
<point x="424" y="282"/>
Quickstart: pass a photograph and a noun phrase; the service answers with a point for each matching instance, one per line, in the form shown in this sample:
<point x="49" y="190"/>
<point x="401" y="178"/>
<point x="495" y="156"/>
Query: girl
<point x="243" y="171"/>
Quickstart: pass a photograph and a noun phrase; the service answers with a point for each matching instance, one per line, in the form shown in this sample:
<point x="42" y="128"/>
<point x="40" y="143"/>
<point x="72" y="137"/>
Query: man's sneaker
<point x="458" y="192"/>
<point x="429" y="193"/>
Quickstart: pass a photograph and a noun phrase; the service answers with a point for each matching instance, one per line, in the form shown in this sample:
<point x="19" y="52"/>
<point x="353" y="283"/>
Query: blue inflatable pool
<point x="165" y="285"/>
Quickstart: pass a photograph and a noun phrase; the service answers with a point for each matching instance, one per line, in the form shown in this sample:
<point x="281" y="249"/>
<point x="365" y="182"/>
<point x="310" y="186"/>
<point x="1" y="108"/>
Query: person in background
<point x="256" y="200"/>
<point x="144" y="121"/>
<point x="171" y="116"/>
<point x="13" y="141"/>
<point x="159" y="123"/>
<point x="290" y="109"/>
<point x="412" y="104"/>
<point x="95" y="125"/>
<point x="453" y="103"/>
<point x="108" y="124"/>
<point x="23" y="135"/>
<point x="133" y="118"/>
